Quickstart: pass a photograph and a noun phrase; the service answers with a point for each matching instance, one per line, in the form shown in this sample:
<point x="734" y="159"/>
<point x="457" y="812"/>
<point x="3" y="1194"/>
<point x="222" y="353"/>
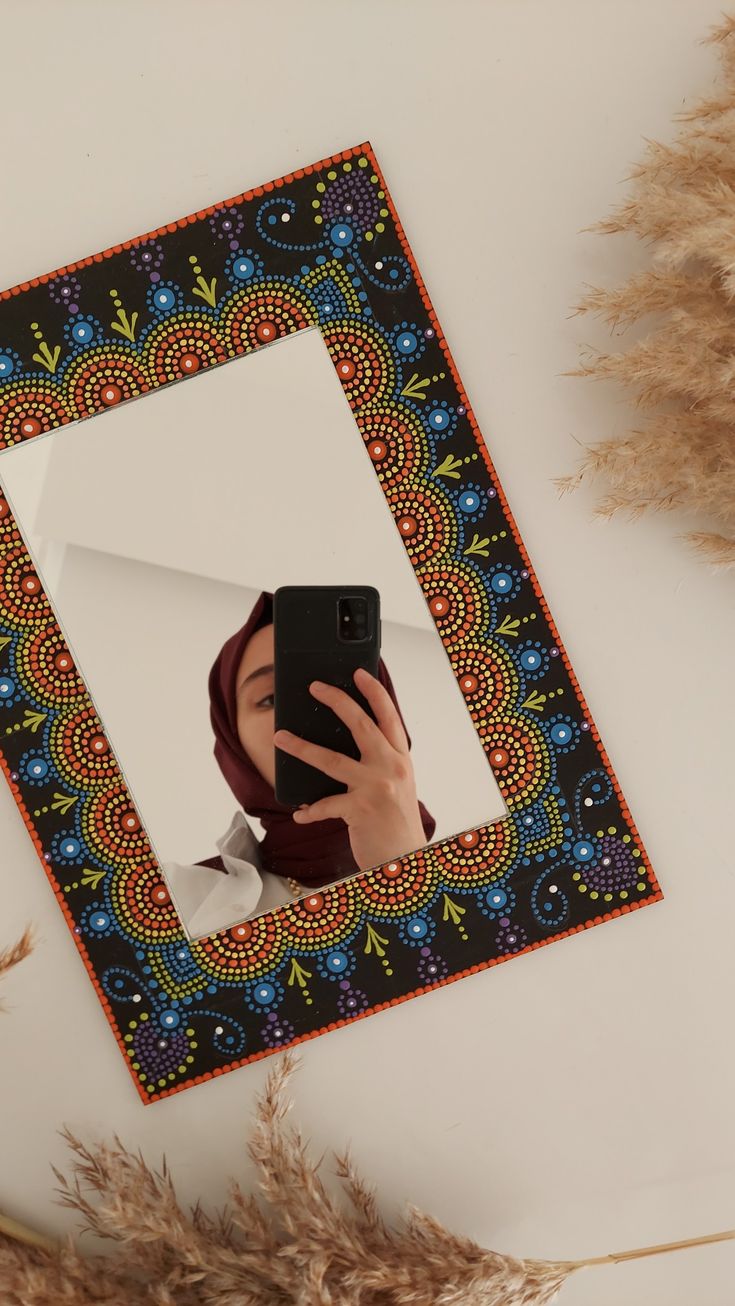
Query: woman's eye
<point x="266" y="702"/>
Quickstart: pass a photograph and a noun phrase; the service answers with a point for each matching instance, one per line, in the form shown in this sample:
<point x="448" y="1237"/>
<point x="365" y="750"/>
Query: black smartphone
<point x="321" y="632"/>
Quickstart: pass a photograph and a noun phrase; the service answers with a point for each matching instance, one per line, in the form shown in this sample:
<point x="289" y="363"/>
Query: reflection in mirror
<point x="161" y="534"/>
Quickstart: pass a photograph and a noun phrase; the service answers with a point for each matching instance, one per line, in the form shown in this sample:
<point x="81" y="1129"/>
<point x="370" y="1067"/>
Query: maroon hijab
<point x="313" y="854"/>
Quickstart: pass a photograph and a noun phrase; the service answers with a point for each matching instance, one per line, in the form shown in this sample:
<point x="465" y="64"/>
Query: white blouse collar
<point x="207" y="900"/>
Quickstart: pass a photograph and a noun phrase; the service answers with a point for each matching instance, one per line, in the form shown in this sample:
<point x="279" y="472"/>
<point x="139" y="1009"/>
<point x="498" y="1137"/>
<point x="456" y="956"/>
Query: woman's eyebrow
<point x="254" y="675"/>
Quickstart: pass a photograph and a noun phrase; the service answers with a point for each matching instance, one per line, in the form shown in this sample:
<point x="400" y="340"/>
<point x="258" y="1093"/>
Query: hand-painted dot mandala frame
<point x="322" y="247"/>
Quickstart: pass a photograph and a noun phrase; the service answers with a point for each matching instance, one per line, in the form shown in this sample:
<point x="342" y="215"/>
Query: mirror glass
<point x="157" y="528"/>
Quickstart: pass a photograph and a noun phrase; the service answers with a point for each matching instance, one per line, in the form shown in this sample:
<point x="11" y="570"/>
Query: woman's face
<point x="254" y="689"/>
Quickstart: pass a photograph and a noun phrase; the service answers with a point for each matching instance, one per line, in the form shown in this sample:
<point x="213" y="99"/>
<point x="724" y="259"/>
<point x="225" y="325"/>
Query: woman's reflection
<point x="378" y="819"/>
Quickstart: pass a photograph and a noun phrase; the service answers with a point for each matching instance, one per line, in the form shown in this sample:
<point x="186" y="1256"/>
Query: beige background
<point x="579" y="1099"/>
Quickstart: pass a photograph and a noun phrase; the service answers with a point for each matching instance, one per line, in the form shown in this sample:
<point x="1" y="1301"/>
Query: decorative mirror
<point x="138" y="559"/>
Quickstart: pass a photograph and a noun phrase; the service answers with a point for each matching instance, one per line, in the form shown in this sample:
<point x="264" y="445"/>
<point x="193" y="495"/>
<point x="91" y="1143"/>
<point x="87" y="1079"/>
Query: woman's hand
<point x="380" y="808"/>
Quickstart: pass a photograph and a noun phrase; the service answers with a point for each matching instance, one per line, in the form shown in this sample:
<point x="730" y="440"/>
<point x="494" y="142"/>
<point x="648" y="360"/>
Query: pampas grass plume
<point x="681" y="375"/>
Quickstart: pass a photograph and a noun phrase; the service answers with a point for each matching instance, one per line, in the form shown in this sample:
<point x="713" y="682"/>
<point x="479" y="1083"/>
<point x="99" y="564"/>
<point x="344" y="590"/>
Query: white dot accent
<point x="219" y="1030"/>
<point x="137" y="997"/>
<point x="285" y="217"/>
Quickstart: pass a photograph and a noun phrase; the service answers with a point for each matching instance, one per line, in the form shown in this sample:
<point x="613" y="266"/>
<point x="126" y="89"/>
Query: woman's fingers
<point x="363" y="729"/>
<point x="325" y="809"/>
<point x="336" y="765"/>
<point x="386" y="712"/>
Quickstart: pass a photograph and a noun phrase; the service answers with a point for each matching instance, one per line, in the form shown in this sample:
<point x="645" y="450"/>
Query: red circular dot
<point x="377" y="450"/>
<point x="266" y="331"/>
<point x="392" y="871"/>
<point x="468" y="684"/>
<point x="130" y="822"/>
<point x="439" y="605"/>
<point x="99" y="744"/>
<point x="346" y="369"/>
<point x="407" y="526"/>
<point x="241" y="933"/>
<point x="160" y="895"/>
<point x="314" y="902"/>
<point x="4" y="509"/>
<point x="110" y="394"/>
<point x="499" y="757"/>
<point x="30" y="584"/>
<point x="470" y="839"/>
<point x="29" y="426"/>
<point x="189" y="363"/>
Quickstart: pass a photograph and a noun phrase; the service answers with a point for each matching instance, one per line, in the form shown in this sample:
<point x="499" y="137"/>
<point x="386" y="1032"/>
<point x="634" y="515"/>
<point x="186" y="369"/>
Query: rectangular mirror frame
<point x="322" y="247"/>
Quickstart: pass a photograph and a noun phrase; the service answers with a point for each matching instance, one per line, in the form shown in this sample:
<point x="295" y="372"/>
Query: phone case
<point x="308" y="646"/>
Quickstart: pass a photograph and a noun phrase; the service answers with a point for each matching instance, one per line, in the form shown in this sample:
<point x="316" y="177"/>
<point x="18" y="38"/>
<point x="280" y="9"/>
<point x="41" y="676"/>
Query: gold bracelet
<point x="296" y="888"/>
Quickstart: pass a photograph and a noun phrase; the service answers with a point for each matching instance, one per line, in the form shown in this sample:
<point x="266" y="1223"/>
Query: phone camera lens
<point x="353" y="619"/>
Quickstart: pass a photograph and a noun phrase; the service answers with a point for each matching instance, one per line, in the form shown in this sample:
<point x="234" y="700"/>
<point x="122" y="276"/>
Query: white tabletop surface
<point x="579" y="1099"/>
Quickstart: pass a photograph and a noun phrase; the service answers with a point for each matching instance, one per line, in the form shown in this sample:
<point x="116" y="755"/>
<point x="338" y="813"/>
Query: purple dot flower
<point x="147" y="257"/>
<point x="351" y="1001"/>
<point x="351" y="198"/>
<point x="65" y="290"/>
<point x="276" y="1032"/>
<point x="431" y="967"/>
<point x="616" y="867"/>
<point x="510" y="937"/>
<point x="227" y="224"/>
<point x="157" y="1052"/>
